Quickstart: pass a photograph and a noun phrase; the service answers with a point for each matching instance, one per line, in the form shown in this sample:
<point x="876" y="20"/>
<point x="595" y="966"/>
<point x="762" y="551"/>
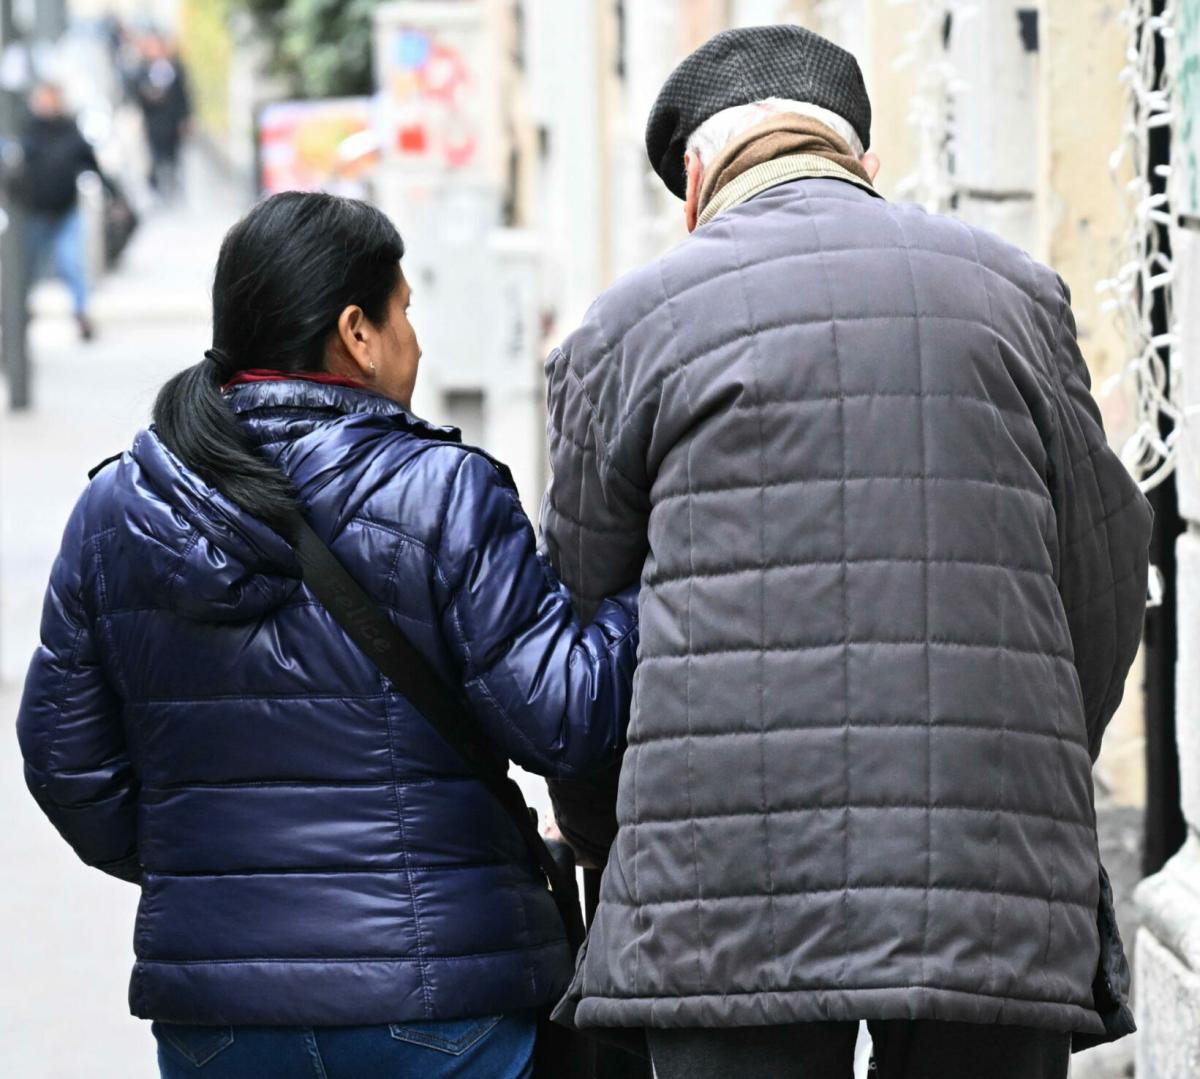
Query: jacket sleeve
<point x="596" y="510"/>
<point x="70" y="729"/>
<point x="1104" y="524"/>
<point x="594" y="525"/>
<point x="554" y="694"/>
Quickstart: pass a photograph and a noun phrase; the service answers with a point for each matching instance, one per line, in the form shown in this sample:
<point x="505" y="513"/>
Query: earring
<point x="372" y="367"/>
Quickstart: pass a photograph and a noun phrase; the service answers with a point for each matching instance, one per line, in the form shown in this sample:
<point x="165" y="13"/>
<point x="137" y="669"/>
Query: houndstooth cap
<point x="738" y="67"/>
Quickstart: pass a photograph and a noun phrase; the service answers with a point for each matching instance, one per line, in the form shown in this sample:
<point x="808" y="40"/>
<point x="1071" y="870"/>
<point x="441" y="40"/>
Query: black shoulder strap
<point x="387" y="647"/>
<point x="93" y="472"/>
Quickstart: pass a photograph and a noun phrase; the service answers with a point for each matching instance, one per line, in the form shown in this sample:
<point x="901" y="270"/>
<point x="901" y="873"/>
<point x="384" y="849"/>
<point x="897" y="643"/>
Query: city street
<point x="983" y="588"/>
<point x="70" y="928"/>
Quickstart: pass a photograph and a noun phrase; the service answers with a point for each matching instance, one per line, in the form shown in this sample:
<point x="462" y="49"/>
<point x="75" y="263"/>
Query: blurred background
<point x="505" y="139"/>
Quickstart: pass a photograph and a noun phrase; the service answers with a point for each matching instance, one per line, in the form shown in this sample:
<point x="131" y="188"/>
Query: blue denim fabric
<point x="58" y="238"/>
<point x="493" y="1047"/>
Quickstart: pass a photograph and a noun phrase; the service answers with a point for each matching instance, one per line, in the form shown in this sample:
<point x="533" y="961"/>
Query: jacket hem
<point x="717" y="1010"/>
<point x="356" y="992"/>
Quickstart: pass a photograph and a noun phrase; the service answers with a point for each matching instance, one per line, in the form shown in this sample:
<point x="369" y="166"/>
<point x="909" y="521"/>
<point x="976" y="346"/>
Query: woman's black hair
<point x="285" y="273"/>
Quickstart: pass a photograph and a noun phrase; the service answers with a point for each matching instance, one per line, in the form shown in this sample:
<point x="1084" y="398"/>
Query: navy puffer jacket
<point x="309" y="850"/>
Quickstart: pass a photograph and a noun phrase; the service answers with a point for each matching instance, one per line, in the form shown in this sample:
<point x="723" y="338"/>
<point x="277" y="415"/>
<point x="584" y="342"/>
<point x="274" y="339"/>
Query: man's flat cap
<point x="739" y="67"/>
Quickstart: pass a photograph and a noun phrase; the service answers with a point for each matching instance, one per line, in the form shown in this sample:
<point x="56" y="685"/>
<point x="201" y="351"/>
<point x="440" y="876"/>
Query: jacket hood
<point x="210" y="559"/>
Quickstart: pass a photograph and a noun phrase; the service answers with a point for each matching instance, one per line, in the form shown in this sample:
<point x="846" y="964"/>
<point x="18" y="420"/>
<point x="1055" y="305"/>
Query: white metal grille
<point x="1146" y="274"/>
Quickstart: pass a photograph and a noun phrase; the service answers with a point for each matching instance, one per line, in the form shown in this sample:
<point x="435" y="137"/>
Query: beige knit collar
<point x="780" y="170"/>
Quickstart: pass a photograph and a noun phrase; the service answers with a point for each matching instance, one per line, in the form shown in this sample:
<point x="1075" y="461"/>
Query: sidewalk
<point x="68" y="929"/>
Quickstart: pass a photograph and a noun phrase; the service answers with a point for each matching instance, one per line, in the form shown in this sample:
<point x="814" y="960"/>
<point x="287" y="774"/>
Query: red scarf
<point x="263" y="374"/>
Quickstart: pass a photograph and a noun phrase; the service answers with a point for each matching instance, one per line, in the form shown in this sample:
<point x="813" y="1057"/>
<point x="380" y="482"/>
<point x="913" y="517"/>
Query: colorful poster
<point x="323" y="145"/>
<point x="430" y="88"/>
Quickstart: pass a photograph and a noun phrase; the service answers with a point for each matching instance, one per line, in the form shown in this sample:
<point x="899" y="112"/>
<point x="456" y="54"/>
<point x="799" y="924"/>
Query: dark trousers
<point x="904" y="1049"/>
<point x="164" y="162"/>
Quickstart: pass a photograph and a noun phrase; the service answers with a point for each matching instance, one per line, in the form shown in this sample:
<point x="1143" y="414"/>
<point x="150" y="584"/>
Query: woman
<point x="324" y="885"/>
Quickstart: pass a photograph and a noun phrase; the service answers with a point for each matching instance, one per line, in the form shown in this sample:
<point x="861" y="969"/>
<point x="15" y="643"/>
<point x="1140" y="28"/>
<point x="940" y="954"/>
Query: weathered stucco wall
<point x="1081" y="217"/>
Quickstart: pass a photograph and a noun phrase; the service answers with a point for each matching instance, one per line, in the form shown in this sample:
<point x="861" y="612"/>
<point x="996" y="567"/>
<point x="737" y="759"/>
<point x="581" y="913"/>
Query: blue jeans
<point x="58" y="239"/>
<point x="494" y="1047"/>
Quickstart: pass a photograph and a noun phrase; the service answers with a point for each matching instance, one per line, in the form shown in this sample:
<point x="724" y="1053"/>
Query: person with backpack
<point x="327" y="881"/>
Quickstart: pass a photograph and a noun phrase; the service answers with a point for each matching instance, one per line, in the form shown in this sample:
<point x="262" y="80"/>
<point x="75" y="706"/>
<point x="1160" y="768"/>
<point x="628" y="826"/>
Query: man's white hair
<point x="720" y="129"/>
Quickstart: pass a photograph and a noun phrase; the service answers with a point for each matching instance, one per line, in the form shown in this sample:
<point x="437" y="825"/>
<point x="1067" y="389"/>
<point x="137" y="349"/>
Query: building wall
<point x="883" y="33"/>
<point x="1081" y="217"/>
<point x="207" y="50"/>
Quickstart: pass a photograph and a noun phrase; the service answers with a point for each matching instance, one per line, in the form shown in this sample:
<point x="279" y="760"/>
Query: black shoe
<point x="87" y="329"/>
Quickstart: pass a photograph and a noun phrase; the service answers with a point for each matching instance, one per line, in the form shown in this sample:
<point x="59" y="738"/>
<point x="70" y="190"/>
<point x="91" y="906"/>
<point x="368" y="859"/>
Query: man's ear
<point x="695" y="176"/>
<point x="871" y="162"/>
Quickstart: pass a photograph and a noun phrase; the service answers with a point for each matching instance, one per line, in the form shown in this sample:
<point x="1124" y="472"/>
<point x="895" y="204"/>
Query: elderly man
<point x="892" y="581"/>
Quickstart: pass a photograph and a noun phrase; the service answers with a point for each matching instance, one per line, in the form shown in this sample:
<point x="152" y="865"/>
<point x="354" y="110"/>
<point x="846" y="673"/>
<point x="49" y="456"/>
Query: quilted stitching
<point x="878" y="642"/>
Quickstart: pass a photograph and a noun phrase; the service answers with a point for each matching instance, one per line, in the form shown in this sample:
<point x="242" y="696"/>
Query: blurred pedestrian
<point x="893" y="581"/>
<point x="326" y="884"/>
<point x="160" y="87"/>
<point x="54" y="155"/>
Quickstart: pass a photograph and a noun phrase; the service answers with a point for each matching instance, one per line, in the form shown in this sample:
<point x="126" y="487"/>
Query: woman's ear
<point x="354" y="336"/>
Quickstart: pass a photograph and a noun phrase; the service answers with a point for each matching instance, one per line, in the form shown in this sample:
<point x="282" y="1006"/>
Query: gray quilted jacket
<point x="892" y="581"/>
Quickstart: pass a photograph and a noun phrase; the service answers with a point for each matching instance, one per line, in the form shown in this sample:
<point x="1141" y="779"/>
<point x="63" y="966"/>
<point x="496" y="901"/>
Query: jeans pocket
<point x="452" y="1036"/>
<point x="197" y="1045"/>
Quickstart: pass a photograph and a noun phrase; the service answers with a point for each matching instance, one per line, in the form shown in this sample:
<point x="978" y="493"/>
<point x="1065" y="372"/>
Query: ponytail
<point x="196" y="423"/>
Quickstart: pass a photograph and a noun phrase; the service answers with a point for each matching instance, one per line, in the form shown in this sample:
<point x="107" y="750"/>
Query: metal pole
<point x="13" y="284"/>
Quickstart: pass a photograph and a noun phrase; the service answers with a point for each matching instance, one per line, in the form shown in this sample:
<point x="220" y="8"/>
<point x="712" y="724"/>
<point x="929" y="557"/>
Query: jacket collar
<point x="780" y="170"/>
<point x="260" y="396"/>
<point x="252" y="397"/>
